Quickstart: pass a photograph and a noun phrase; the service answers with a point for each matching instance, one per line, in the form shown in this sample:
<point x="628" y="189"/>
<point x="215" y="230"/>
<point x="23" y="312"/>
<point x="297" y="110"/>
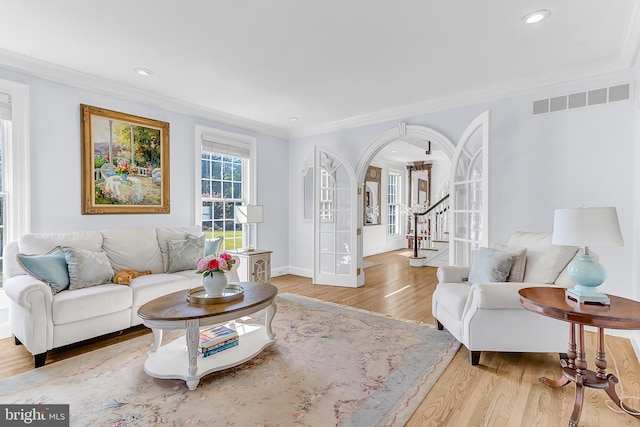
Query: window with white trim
<point x="393" y="208"/>
<point x="225" y="181"/>
<point x="14" y="163"/>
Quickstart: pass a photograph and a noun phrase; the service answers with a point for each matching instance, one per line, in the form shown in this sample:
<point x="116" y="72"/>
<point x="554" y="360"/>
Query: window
<point x="14" y="163"/>
<point x="393" y="184"/>
<point x="226" y="164"/>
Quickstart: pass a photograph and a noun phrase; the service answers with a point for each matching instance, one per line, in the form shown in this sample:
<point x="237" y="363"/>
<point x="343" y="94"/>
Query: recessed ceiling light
<point x="143" y="71"/>
<point x="536" y="16"/>
<point x="293" y="119"/>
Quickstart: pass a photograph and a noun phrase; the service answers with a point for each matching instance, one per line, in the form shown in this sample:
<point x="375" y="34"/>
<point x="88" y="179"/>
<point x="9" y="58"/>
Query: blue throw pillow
<point x="212" y="247"/>
<point x="87" y="268"/>
<point x="490" y="265"/>
<point x="51" y="268"/>
<point x="184" y="254"/>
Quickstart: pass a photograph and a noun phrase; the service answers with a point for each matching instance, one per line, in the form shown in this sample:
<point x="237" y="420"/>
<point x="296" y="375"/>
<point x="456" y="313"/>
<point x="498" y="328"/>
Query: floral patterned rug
<point x="331" y="366"/>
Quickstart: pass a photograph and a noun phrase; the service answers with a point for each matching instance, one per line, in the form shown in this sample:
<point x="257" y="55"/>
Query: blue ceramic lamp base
<point x="588" y="275"/>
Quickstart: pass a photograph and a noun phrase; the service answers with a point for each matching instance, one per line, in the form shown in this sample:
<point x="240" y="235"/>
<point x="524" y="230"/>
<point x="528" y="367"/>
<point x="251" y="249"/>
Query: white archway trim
<point x="402" y="131"/>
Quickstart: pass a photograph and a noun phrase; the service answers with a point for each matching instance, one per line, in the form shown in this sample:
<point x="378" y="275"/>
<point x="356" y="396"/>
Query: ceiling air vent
<point x="598" y="96"/>
<point x="541" y="107"/>
<point x="577" y="100"/>
<point x="583" y="99"/>
<point x="558" y="103"/>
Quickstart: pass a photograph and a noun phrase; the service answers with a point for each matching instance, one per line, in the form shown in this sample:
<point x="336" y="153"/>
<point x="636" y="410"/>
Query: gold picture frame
<point x="125" y="163"/>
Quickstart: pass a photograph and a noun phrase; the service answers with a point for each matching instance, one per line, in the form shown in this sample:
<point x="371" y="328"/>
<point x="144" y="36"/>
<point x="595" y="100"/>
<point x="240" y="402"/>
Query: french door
<point x="334" y="221"/>
<point x="469" y="190"/>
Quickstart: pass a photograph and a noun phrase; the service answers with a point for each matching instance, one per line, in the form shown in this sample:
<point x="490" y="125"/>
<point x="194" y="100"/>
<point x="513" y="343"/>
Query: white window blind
<point x="5" y="106"/>
<point x="225" y="146"/>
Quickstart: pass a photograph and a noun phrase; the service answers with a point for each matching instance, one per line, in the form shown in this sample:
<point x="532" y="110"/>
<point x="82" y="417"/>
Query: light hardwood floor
<point x="502" y="391"/>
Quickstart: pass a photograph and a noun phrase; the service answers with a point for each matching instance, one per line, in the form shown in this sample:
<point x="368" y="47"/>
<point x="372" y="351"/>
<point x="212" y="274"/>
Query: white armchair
<point x="487" y="316"/>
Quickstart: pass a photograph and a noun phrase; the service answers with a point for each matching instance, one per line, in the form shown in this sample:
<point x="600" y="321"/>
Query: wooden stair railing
<point x="440" y="209"/>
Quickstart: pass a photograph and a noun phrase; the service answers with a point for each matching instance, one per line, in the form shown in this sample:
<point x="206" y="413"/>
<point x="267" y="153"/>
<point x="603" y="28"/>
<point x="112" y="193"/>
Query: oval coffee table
<point x="179" y="359"/>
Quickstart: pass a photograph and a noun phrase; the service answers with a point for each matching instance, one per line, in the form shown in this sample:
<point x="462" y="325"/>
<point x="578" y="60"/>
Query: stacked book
<point x="216" y="339"/>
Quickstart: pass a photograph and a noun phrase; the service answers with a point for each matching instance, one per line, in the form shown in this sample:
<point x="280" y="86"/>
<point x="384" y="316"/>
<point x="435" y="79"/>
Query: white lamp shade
<point x="587" y="227"/>
<point x="249" y="214"/>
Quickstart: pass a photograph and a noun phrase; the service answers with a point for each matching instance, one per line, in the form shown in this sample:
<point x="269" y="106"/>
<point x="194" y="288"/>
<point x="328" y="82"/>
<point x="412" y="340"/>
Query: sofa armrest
<point x="499" y="295"/>
<point x="24" y="289"/>
<point x="453" y="274"/>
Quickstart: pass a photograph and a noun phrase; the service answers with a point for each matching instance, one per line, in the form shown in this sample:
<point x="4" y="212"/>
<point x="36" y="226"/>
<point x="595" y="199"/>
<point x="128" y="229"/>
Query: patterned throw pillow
<point x="490" y="265"/>
<point x="51" y="268"/>
<point x="519" y="262"/>
<point x="87" y="268"/>
<point x="184" y="254"/>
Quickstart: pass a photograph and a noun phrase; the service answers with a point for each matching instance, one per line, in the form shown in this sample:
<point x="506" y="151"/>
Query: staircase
<point x="432" y="248"/>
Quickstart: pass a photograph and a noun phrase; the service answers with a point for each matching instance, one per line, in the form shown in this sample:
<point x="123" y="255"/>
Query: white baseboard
<point x="275" y="272"/>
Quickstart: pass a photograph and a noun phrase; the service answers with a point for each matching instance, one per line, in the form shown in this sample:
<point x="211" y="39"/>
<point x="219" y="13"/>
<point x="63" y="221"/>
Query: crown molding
<point x="24" y="64"/>
<point x="513" y="88"/>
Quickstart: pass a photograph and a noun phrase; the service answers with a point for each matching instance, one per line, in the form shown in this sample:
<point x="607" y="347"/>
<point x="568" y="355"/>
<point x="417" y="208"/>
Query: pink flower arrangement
<point x="220" y="264"/>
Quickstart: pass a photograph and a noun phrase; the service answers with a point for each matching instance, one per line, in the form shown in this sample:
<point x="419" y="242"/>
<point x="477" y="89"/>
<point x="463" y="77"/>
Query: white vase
<point x="214" y="283"/>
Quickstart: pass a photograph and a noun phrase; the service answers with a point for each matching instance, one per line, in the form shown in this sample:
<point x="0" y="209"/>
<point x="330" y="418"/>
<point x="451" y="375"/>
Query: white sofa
<point x="488" y="316"/>
<point x="42" y="319"/>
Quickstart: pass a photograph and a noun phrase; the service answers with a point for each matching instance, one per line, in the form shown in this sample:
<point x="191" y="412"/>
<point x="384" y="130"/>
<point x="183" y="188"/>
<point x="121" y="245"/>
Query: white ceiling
<point x="332" y="63"/>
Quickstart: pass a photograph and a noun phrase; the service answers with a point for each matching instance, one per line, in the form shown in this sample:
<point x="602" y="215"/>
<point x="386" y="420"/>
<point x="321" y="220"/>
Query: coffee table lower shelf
<point x="171" y="361"/>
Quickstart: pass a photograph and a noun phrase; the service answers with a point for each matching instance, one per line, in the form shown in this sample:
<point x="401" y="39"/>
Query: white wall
<point x="56" y="166"/>
<point x="374" y="237"/>
<point x="562" y="159"/>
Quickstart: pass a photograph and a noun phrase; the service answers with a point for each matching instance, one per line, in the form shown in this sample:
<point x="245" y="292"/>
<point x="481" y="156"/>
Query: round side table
<point x="622" y="313"/>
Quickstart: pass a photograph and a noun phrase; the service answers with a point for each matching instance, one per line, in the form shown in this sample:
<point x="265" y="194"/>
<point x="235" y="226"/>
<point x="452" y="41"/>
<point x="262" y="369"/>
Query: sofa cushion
<point x="146" y="288"/>
<point x="490" y="265"/>
<point x="165" y="234"/>
<point x="545" y="260"/>
<point x="39" y="243"/>
<point x="519" y="262"/>
<point x="184" y="254"/>
<point x="87" y="268"/>
<point x="81" y="304"/>
<point x="133" y="249"/>
<point x="51" y="268"/>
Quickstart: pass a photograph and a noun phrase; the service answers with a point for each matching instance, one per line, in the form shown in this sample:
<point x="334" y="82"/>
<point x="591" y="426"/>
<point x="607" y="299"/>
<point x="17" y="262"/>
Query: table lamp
<point x="249" y="215"/>
<point x="587" y="227"/>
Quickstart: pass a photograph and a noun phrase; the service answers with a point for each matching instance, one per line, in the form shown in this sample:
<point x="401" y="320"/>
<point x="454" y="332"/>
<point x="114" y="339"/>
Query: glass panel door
<point x="334" y="221"/>
<point x="470" y="191"/>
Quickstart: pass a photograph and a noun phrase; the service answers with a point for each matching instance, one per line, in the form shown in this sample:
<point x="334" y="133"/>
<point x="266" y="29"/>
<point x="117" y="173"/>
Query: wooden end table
<point x="172" y="311"/>
<point x="621" y="314"/>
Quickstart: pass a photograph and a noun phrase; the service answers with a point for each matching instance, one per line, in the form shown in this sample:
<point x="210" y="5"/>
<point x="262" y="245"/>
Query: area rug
<point x="406" y="253"/>
<point x="331" y="366"/>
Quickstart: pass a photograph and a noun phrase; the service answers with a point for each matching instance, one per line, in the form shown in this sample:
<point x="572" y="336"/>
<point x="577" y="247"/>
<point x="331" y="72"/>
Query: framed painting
<point x="125" y="163"/>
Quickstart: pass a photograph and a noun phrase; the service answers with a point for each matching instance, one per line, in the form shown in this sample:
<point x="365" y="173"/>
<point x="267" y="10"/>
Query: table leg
<point x="581" y="375"/>
<point x="193" y="335"/>
<point x="577" y="406"/>
<point x="270" y="314"/>
<point x="157" y="339"/>
<point x="570" y="362"/>
<point x="601" y="362"/>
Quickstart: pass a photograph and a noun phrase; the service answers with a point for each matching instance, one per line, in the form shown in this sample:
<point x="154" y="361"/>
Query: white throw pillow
<point x="545" y="260"/>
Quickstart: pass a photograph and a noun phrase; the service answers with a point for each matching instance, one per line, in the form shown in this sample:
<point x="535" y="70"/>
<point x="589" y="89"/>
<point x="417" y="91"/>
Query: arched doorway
<point x="402" y="132"/>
